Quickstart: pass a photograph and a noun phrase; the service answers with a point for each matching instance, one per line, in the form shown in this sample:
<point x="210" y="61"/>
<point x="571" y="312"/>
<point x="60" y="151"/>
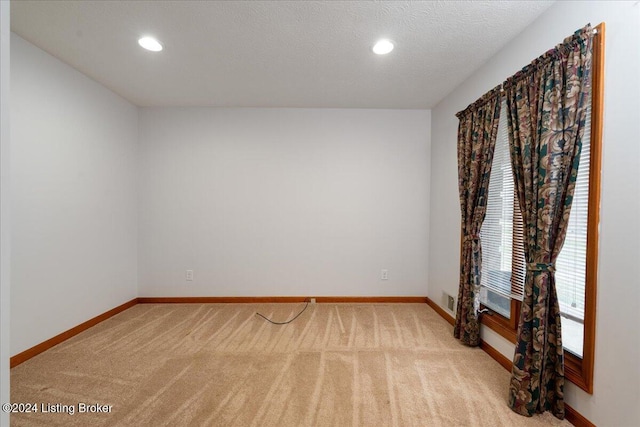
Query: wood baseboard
<point x="371" y="300"/>
<point x="576" y="418"/>
<point x="441" y="311"/>
<point x="288" y="299"/>
<point x="217" y="300"/>
<point x="46" y="345"/>
<point x="573" y="416"/>
<point x="496" y="355"/>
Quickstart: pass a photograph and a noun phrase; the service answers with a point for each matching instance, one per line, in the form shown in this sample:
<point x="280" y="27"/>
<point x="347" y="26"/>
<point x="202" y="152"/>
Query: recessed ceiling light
<point x="382" y="47"/>
<point x="150" y="43"/>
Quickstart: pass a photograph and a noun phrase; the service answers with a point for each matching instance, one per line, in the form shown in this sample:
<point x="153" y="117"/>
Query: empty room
<point x="319" y="213"/>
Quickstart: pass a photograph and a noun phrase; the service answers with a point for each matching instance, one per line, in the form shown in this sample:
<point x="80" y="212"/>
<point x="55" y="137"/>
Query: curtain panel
<point x="546" y="104"/>
<point x="477" y="132"/>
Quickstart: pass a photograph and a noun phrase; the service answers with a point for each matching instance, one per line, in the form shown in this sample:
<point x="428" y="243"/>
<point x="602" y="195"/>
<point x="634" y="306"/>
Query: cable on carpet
<point x="288" y="321"/>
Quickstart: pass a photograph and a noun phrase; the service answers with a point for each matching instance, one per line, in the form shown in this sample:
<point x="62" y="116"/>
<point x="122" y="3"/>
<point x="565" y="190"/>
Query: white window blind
<point x="572" y="260"/>
<point x="497" y="233"/>
<point x="518" y="269"/>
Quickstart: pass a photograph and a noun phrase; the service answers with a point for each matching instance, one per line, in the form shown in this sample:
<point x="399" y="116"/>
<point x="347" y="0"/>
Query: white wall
<point x="73" y="178"/>
<point x="617" y="359"/>
<point x="283" y="201"/>
<point x="5" y="242"/>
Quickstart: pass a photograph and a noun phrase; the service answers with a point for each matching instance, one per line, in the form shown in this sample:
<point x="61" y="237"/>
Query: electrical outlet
<point x="384" y="274"/>
<point x="189" y="275"/>
<point x="450" y="302"/>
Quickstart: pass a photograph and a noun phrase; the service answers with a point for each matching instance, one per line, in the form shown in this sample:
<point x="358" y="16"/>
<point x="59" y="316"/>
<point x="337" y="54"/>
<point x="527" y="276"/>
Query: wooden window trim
<point x="578" y="371"/>
<point x="500" y="324"/>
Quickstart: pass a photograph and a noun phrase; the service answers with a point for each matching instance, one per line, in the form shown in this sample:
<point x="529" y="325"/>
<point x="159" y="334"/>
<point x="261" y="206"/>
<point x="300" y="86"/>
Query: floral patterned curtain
<point x="546" y="104"/>
<point x="477" y="134"/>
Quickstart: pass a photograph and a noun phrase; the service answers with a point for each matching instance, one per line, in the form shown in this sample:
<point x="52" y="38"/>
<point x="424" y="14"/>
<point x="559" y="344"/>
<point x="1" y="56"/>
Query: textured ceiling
<point x="275" y="53"/>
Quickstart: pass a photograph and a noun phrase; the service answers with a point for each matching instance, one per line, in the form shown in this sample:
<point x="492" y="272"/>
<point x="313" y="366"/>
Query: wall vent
<point x="448" y="301"/>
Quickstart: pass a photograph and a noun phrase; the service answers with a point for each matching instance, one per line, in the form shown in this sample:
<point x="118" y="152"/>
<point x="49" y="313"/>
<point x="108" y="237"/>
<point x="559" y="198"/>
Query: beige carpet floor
<point x="221" y="365"/>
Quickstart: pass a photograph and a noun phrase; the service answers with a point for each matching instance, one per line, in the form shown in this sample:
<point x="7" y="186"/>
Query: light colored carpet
<point x="221" y="365"/>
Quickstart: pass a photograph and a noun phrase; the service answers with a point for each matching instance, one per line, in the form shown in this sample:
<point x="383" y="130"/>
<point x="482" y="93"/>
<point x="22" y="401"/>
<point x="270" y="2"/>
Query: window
<point x="503" y="254"/>
<point x="572" y="260"/>
<point x="503" y="266"/>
